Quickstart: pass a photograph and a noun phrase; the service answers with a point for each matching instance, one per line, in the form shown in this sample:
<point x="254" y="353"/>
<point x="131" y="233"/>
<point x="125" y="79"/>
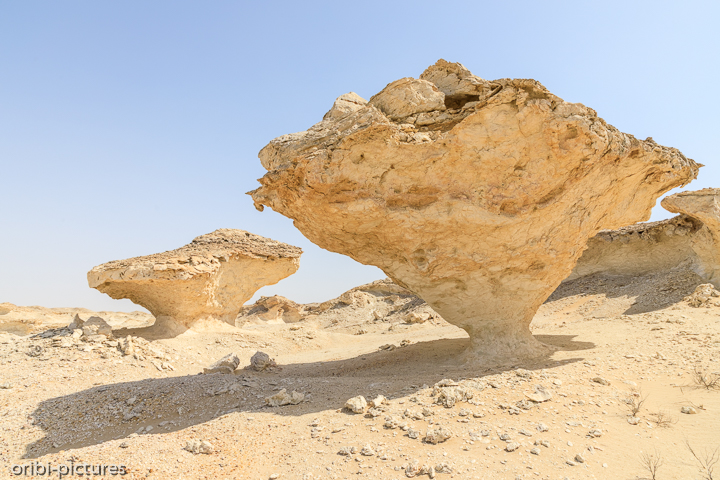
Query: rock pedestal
<point x="210" y="278"/>
<point x="477" y="195"/>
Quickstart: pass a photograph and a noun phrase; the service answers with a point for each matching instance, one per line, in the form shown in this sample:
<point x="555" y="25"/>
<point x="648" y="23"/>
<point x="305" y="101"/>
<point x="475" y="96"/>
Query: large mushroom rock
<point x="477" y="195"/>
<point x="210" y="278"/>
<point x="704" y="206"/>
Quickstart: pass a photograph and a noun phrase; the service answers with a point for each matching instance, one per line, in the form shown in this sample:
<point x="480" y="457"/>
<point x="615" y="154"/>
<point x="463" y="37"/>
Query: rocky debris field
<point x="633" y="377"/>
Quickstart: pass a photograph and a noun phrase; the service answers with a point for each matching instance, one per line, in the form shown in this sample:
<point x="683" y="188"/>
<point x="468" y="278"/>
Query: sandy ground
<point x="64" y="401"/>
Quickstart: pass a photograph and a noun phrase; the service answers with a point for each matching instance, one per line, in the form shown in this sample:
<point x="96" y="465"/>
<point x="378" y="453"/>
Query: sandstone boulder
<point x="480" y="204"/>
<point x="210" y="278"/>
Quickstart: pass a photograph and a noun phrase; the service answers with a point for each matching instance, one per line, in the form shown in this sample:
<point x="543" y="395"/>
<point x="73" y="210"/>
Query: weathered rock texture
<point x="210" y="278"/>
<point x="702" y="205"/>
<point x="690" y="241"/>
<point x="477" y="195"/>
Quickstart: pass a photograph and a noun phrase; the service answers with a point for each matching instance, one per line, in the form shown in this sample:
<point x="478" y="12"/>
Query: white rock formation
<point x="210" y="278"/>
<point x="480" y="204"/>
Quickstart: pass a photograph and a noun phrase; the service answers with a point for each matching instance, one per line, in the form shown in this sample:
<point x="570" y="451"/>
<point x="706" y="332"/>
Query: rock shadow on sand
<point x="116" y="411"/>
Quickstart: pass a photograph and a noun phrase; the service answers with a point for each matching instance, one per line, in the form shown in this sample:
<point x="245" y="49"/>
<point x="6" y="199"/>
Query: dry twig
<point x="706" y="461"/>
<point x="651" y="463"/>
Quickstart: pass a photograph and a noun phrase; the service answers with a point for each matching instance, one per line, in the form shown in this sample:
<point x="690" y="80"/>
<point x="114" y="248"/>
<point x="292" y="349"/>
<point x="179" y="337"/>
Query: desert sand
<point x="619" y="341"/>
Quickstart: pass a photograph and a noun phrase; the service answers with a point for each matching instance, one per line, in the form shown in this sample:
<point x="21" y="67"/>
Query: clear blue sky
<point x="128" y="128"/>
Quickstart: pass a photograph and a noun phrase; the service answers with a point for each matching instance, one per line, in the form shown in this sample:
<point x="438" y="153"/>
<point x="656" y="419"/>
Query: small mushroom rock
<point x="208" y="279"/>
<point x="479" y="196"/>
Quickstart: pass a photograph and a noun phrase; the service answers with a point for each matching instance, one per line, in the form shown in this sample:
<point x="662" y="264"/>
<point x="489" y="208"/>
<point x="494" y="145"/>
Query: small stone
<point x="283" y="398"/>
<point x="688" y="410"/>
<point x="535" y="451"/>
<point x="35" y="351"/>
<point x="600" y="381"/>
<point x="505" y="437"/>
<point x="356" y="404"/>
<point x="261" y="361"/>
<point x="199" y="446"/>
<point x="345" y="451"/>
<point x="379" y="400"/>
<point x="413" y="317"/>
<point x="557" y="382"/>
<point x="595" y="433"/>
<point x="414" y="434"/>
<point x="579" y="458"/>
<point x="571" y="463"/>
<point x="541" y="394"/>
<point x="227" y="364"/>
<point x="437" y="435"/>
<point x="633" y="420"/>
<point x="512" y="446"/>
<point x="274" y="476"/>
<point x="542" y="427"/>
<point x="6" y="386"/>
<point x="124" y="445"/>
<point x="367" y="451"/>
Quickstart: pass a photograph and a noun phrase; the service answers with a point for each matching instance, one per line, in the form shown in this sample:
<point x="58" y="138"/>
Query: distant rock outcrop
<point x="689" y="241"/>
<point x="210" y="278"/>
<point x="378" y="305"/>
<point x="479" y="196"/>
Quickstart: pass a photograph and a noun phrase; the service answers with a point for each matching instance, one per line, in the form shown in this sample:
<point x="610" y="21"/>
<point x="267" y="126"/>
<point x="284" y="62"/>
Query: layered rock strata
<point x="704" y="206"/>
<point x="372" y="307"/>
<point x="477" y="195"/>
<point x="210" y="278"/>
<point x="688" y="241"/>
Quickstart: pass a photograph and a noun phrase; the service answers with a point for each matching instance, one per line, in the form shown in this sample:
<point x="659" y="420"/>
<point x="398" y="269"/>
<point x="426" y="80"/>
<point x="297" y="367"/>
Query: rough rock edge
<point x="206" y="250"/>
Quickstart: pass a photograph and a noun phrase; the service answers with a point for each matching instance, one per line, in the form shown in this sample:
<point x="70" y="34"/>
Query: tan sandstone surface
<point x="479" y="196"/>
<point x="74" y="400"/>
<point x="207" y="280"/>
